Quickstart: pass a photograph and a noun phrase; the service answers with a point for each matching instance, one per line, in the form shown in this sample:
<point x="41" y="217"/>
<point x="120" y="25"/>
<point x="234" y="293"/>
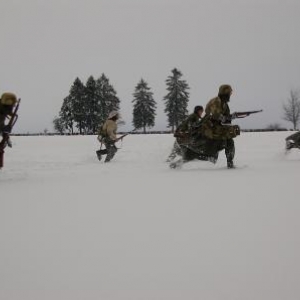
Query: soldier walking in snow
<point x="107" y="136"/>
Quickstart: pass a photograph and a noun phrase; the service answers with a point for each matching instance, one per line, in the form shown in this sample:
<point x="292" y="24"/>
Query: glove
<point x="223" y="119"/>
<point x="233" y="116"/>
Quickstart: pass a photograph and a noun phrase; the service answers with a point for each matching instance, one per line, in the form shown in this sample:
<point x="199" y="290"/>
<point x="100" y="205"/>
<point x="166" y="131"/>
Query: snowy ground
<point x="73" y="228"/>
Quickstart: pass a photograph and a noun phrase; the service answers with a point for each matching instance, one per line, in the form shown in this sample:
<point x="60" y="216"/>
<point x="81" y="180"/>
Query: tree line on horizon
<point x="87" y="106"/>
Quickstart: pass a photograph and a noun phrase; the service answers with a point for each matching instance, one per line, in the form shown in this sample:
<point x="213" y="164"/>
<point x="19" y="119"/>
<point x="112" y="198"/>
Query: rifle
<point x="122" y="136"/>
<point x="5" y="134"/>
<point x="243" y="114"/>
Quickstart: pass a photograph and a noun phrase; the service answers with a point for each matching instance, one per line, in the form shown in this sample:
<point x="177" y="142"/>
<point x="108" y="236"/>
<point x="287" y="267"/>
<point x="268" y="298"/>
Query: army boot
<point x="230" y="164"/>
<point x="99" y="156"/>
<point x="100" y="153"/>
<point x="176" y="164"/>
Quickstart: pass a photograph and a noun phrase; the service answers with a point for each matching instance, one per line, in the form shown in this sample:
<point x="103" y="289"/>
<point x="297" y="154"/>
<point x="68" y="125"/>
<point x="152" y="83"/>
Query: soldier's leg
<point x="101" y="152"/>
<point x="174" y="152"/>
<point x="229" y="152"/>
<point x="182" y="152"/>
<point x="209" y="151"/>
<point x="111" y="151"/>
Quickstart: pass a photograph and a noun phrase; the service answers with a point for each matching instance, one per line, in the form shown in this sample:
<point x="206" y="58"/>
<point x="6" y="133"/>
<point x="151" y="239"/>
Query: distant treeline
<point x="148" y="132"/>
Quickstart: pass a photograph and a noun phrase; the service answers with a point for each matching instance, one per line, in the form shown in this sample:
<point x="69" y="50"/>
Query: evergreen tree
<point x="144" y="107"/>
<point x="87" y="106"/>
<point x="66" y="115"/>
<point x="176" y="100"/>
<point x="107" y="97"/>
<point x="77" y="98"/>
<point x="91" y="108"/>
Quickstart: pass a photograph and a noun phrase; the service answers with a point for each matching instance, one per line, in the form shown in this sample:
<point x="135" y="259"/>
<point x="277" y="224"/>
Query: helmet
<point x="197" y="108"/>
<point x="8" y="99"/>
<point x="225" y="89"/>
<point x="113" y="114"/>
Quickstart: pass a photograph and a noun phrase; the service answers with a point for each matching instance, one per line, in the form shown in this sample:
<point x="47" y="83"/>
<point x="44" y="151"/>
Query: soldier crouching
<point x="216" y="125"/>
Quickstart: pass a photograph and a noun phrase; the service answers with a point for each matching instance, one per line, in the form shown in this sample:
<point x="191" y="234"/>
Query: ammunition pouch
<point x="217" y="131"/>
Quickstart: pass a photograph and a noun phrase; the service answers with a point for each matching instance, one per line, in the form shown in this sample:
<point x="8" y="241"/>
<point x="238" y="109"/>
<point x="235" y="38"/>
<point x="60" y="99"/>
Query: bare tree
<point x="292" y="109"/>
<point x="58" y="125"/>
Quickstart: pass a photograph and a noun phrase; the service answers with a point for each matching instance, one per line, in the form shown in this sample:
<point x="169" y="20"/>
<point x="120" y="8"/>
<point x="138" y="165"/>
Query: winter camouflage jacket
<point x="191" y="121"/>
<point x="213" y="126"/>
<point x="216" y="109"/>
<point x="4" y="111"/>
<point x="109" y="129"/>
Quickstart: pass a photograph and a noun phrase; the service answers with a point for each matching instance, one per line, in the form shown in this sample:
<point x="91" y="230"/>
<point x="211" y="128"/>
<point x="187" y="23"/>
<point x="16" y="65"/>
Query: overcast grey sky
<point x="254" y="45"/>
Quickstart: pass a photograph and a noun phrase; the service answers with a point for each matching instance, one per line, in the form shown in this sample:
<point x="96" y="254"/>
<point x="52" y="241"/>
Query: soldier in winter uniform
<point x="192" y="121"/>
<point x="185" y="131"/>
<point x="107" y="136"/>
<point x="216" y="124"/>
<point x="293" y="141"/>
<point x="7" y="102"/>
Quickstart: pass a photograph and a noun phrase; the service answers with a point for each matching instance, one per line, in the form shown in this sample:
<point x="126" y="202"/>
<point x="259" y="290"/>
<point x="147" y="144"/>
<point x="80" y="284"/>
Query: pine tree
<point x="91" y="105"/>
<point x="87" y="106"/>
<point x="66" y="115"/>
<point x="144" y="106"/>
<point x="176" y="100"/>
<point x="107" y="96"/>
<point x="76" y="95"/>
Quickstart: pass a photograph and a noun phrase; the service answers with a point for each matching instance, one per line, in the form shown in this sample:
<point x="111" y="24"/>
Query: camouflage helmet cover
<point x="225" y="89"/>
<point x="113" y="114"/>
<point x="8" y="99"/>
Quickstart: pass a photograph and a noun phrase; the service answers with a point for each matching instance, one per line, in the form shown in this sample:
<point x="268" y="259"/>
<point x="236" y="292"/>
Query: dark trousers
<point x="110" y="149"/>
<point x="229" y="150"/>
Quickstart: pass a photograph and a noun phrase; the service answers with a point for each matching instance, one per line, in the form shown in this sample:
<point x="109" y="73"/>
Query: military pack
<point x="219" y="132"/>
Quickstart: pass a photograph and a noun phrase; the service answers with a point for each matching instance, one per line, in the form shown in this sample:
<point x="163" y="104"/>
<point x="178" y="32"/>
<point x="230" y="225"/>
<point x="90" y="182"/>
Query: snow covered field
<point x="73" y="228"/>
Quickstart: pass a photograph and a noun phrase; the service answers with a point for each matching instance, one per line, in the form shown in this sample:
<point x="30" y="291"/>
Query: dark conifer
<point x="176" y="100"/>
<point x="144" y="107"/>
